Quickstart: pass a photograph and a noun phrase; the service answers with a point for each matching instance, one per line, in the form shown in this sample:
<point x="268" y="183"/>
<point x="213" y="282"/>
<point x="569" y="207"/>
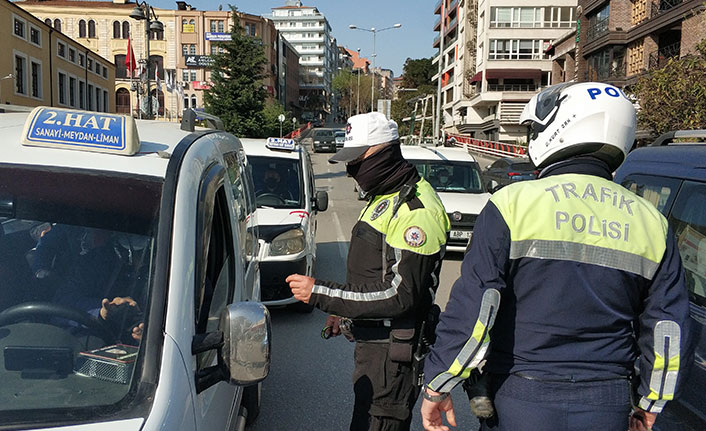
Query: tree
<point x="270" y="120"/>
<point x="674" y="97"/>
<point x="236" y="94"/>
<point x="417" y="73"/>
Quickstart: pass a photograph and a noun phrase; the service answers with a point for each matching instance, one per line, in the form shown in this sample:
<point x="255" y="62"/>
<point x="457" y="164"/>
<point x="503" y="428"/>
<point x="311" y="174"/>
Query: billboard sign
<point x="218" y="37"/>
<point x="198" y="61"/>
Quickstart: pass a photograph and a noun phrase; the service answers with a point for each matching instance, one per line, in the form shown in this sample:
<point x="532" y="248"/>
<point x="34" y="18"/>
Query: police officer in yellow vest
<point x="569" y="279"/>
<point x="394" y="260"/>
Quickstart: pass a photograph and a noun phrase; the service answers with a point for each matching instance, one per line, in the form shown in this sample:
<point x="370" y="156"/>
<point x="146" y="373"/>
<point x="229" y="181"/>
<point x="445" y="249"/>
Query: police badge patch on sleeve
<point x="379" y="209"/>
<point x="414" y="236"/>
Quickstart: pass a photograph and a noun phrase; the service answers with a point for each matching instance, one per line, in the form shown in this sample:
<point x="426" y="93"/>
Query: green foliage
<point x="674" y="97"/>
<point x="236" y="94"/>
<point x="270" y="123"/>
<point x="417" y="73"/>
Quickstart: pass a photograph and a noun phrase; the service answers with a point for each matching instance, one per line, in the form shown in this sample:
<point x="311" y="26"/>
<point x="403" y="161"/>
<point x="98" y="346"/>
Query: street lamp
<point x="143" y="11"/>
<point x="357" y="109"/>
<point x="374" y="31"/>
<point x="9" y="76"/>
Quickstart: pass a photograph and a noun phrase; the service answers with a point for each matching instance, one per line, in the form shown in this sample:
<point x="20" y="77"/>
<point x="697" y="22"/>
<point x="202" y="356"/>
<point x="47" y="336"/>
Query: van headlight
<point x="290" y="242"/>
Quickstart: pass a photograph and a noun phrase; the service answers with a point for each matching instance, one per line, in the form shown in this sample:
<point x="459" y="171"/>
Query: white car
<point x="456" y="177"/>
<point x="129" y="279"/>
<point x="287" y="205"/>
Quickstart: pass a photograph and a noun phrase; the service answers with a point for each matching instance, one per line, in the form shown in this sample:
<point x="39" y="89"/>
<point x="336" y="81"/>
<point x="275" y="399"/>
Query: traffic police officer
<point x="394" y="260"/>
<point x="575" y="275"/>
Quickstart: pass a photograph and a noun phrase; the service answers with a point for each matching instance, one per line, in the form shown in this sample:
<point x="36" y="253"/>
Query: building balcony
<point x="661" y="57"/>
<point x="437" y="7"/>
<point x="512" y="87"/>
<point x="662" y="6"/>
<point x="598" y="29"/>
<point x="607" y="73"/>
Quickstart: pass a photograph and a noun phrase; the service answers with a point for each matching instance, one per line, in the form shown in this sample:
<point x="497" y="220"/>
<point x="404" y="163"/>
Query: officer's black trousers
<point x="384" y="391"/>
<point x="523" y="404"/>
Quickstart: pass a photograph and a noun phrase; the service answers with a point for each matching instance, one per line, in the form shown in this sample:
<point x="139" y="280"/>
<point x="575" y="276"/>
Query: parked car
<point x="673" y="177"/>
<point x="323" y="140"/>
<point x="287" y="206"/>
<point x="130" y="295"/>
<point x="340" y="137"/>
<point x="508" y="170"/>
<point x="456" y="177"/>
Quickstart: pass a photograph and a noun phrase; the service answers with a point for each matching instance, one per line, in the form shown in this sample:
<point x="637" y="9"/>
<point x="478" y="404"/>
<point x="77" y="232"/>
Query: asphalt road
<point x="310" y="386"/>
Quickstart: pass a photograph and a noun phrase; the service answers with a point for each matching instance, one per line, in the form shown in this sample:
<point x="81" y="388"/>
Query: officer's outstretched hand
<point x="301" y="286"/>
<point x="431" y="414"/>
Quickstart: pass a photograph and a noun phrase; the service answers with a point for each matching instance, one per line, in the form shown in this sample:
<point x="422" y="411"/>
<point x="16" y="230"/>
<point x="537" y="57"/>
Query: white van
<point x="130" y="287"/>
<point x="287" y="205"/>
<point x="456" y="177"/>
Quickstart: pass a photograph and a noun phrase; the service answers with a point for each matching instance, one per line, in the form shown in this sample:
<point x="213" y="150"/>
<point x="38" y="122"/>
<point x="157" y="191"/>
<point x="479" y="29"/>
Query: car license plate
<point x="459" y="234"/>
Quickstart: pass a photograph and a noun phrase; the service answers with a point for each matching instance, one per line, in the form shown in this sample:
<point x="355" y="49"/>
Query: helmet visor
<point x="547" y="100"/>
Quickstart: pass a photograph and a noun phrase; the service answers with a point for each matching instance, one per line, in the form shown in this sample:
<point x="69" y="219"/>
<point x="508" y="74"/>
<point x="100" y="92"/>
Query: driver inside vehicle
<point x="96" y="271"/>
<point x="272" y="184"/>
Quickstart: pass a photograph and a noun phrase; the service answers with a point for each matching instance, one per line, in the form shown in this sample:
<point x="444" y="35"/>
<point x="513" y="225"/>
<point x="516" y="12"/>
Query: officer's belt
<point x="371" y="330"/>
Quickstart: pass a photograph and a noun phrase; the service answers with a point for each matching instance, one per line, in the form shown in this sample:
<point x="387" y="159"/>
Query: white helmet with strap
<point x="571" y="119"/>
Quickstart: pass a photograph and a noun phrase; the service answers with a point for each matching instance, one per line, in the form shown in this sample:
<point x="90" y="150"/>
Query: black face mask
<point x="374" y="172"/>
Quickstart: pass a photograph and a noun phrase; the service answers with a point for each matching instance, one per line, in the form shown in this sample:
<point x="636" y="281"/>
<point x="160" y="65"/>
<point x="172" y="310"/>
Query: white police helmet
<point x="571" y="119"/>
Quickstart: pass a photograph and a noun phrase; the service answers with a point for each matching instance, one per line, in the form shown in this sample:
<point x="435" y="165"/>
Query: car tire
<point x="252" y="400"/>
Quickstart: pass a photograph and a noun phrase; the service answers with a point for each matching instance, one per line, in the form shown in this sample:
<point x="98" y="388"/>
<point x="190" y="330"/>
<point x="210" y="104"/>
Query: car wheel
<point x="252" y="400"/>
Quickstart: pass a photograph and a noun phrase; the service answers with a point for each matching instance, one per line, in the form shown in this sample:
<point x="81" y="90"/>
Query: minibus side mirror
<point x="247" y="338"/>
<point x="321" y="201"/>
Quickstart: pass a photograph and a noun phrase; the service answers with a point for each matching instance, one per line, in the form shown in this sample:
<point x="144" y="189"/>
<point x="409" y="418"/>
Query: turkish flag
<point x="130" y="63"/>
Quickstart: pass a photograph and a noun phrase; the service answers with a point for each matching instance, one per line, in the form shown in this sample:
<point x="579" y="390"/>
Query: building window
<point x="517" y="17"/>
<point x="184" y="49"/>
<point x="47" y="22"/>
<point x="221" y="26"/>
<point x="157" y="35"/>
<point x="72" y="91"/>
<point x="105" y="72"/>
<point x="82" y="29"/>
<point x="20" y="78"/>
<point x="598" y="23"/>
<point x="81" y="59"/>
<point x="116" y="29"/>
<point x="98" y="99"/>
<point x="105" y="101"/>
<point x="89" y="63"/>
<point x="184" y="75"/>
<point x="194" y="103"/>
<point x="61" y="50"/>
<point x="250" y="29"/>
<point x="98" y="68"/>
<point x="62" y="88"/>
<point x="126" y="30"/>
<point x="81" y="95"/>
<point x="516" y="49"/>
<point x="36" y="80"/>
<point x="192" y="75"/>
<point x="20" y="28"/>
<point x="556" y="16"/>
<point x="122" y="101"/>
<point x="186" y="102"/>
<point x="72" y="55"/>
<point x="35" y="36"/>
<point x="192" y="49"/>
<point x="57" y="24"/>
<point x="91" y="29"/>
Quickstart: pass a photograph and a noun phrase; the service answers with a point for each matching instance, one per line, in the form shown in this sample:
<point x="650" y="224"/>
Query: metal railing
<point x="660" y="58"/>
<point x="606" y="72"/>
<point x="598" y="29"/>
<point x="662" y="6"/>
<point x="512" y="87"/>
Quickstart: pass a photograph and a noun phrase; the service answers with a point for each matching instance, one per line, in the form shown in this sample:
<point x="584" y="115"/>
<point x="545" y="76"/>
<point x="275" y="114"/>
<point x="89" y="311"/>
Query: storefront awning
<point x="477" y="77"/>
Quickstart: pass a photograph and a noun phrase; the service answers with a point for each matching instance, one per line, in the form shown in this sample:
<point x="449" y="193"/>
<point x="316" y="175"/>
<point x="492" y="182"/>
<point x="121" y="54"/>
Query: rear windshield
<point x="522" y="166"/>
<point x="340" y="134"/>
<point x="323" y="133"/>
<point x="76" y="268"/>
<point x="452" y="177"/>
<point x="278" y="182"/>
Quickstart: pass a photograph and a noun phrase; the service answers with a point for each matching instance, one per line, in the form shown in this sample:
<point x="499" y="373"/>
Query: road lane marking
<point x="342" y="247"/>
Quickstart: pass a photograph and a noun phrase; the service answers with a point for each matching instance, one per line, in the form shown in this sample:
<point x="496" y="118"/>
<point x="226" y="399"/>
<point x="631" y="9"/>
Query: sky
<point x="413" y="40"/>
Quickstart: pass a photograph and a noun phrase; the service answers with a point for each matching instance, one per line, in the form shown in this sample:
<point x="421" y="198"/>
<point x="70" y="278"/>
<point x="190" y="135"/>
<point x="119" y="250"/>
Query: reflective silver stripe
<point x="474" y="351"/>
<point x="652" y="406"/>
<point x="366" y="296"/>
<point x="577" y="252"/>
<point x="667" y="336"/>
<point x="355" y="296"/>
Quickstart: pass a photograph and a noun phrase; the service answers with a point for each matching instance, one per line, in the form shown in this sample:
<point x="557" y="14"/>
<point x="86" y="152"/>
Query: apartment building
<point x="44" y="66"/>
<point x="621" y="39"/>
<point x="309" y="32"/>
<point x="105" y="27"/>
<point x="493" y="61"/>
<point x="182" y="49"/>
